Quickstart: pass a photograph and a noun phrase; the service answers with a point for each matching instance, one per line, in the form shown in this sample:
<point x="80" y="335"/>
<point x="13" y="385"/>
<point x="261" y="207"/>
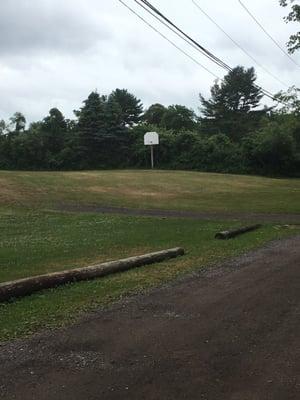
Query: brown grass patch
<point x="130" y="192"/>
<point x="9" y="194"/>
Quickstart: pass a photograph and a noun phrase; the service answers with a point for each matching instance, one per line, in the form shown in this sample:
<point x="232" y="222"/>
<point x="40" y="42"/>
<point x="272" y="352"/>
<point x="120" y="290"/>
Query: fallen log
<point x="235" y="232"/>
<point x="27" y="286"/>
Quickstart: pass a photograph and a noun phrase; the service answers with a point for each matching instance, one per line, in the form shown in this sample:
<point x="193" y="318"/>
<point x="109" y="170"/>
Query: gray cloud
<point x="53" y="52"/>
<point x="31" y="27"/>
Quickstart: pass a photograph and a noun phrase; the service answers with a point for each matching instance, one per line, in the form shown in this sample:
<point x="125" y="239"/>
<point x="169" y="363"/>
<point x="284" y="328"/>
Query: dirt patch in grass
<point x="288" y="219"/>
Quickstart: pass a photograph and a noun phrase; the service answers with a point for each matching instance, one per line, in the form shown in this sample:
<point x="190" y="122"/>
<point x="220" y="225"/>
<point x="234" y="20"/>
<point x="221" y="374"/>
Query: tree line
<point x="232" y="132"/>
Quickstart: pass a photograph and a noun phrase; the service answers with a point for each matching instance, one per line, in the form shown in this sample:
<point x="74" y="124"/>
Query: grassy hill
<point x="151" y="189"/>
<point x="36" y="238"/>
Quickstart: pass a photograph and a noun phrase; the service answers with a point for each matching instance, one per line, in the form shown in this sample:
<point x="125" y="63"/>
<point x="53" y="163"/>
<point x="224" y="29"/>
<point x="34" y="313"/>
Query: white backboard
<point x="151" y="139"/>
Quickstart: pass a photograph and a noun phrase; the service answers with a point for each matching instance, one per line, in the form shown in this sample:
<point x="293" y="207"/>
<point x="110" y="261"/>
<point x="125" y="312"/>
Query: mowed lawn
<point x="175" y="190"/>
<point x="35" y="239"/>
<point x="40" y="242"/>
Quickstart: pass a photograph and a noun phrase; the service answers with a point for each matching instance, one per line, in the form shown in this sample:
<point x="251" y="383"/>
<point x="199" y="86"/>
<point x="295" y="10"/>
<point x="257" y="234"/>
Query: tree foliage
<point x="18" y="122"/>
<point x="293" y="16"/>
<point x="232" y="135"/>
<point x="2" y="127"/>
<point x="289" y="101"/>
<point x="131" y="108"/>
<point x="232" y="107"/>
<point x="178" y="117"/>
<point x="175" y="117"/>
<point x="154" y="114"/>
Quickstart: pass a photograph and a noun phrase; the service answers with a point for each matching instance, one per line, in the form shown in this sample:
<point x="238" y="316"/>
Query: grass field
<point x="146" y="189"/>
<point x="34" y="238"/>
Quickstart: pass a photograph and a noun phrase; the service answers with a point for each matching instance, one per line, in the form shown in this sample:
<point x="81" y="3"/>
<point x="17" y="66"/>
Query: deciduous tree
<point x="293" y="16"/>
<point x="178" y="118"/>
<point x="18" y="121"/>
<point x="154" y="114"/>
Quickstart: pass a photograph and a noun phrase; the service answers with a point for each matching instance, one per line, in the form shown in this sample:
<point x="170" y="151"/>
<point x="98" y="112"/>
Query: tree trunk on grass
<point x="235" y="232"/>
<point x="27" y="286"/>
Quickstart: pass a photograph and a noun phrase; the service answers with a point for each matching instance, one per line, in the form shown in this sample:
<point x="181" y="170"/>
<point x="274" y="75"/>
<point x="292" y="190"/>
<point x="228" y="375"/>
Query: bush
<point x="272" y="151"/>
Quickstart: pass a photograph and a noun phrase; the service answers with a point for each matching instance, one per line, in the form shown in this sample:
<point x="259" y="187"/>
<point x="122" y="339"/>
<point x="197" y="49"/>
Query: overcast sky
<point x="53" y="53"/>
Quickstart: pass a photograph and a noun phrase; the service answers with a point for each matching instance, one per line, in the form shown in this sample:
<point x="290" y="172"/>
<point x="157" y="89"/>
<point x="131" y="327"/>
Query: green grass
<point x="43" y="242"/>
<point x="151" y="189"/>
<point x="39" y="242"/>
<point x="35" y="238"/>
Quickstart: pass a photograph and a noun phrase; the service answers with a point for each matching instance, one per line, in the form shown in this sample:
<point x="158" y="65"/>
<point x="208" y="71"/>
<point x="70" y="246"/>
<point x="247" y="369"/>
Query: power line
<point x="190" y="41"/>
<point x="168" y="40"/>
<point x="208" y="54"/>
<point x="268" y="34"/>
<point x="169" y="27"/>
<point x="238" y="45"/>
<point x="181" y="35"/>
<point x="215" y="59"/>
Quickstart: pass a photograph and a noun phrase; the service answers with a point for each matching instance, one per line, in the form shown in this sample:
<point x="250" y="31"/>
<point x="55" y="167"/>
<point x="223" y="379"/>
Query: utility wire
<point x="185" y="39"/>
<point x="267" y="33"/>
<point x="169" y="27"/>
<point x="168" y="40"/>
<point x="191" y="41"/>
<point x="207" y="52"/>
<point x="218" y="61"/>
<point x="238" y="45"/>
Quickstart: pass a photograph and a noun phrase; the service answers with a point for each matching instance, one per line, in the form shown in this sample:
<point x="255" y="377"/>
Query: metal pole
<point x="152" y="158"/>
